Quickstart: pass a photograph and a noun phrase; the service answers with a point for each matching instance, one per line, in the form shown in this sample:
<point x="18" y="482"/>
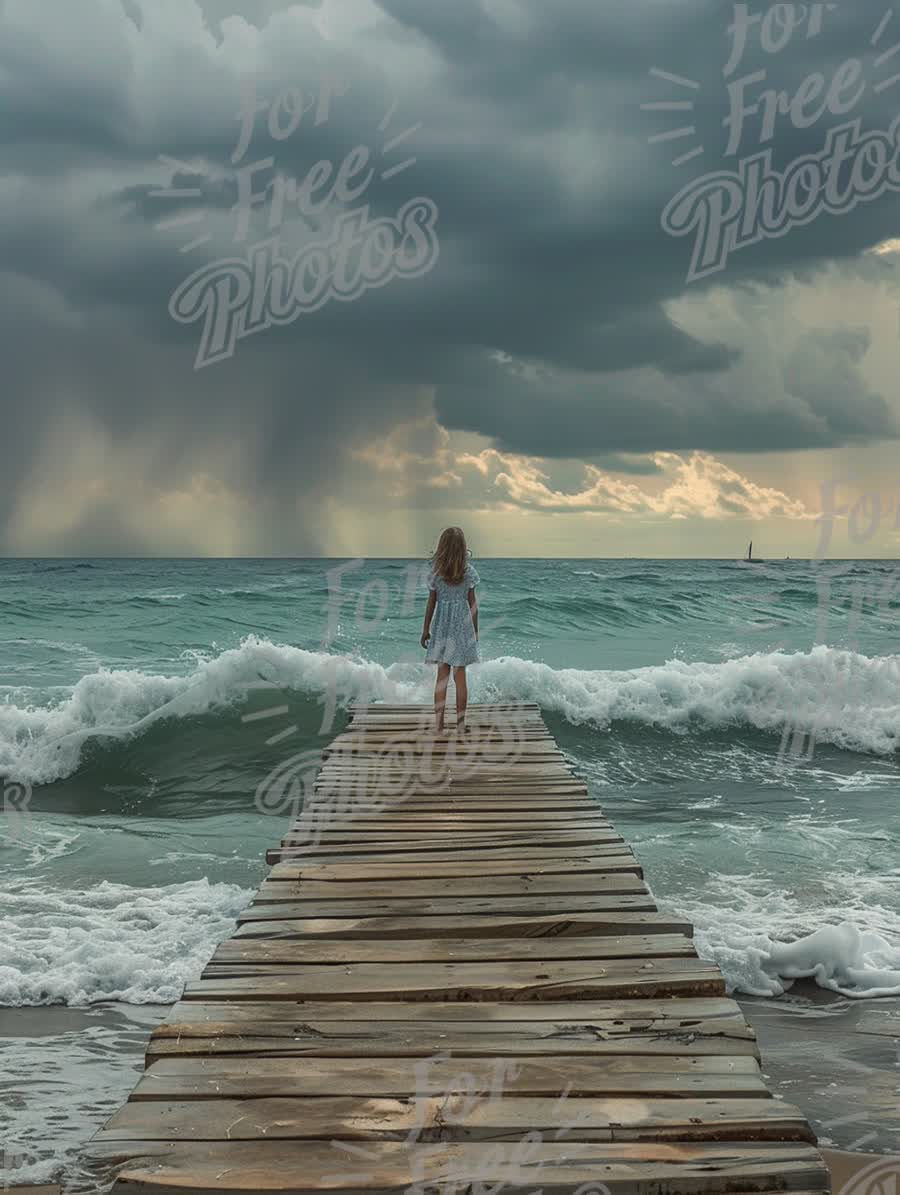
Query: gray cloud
<point x="823" y="401"/>
<point x="534" y="147"/>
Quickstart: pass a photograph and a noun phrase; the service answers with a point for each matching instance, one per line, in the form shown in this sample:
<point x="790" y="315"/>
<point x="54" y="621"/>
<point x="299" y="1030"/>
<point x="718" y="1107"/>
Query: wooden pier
<point x="453" y="978"/>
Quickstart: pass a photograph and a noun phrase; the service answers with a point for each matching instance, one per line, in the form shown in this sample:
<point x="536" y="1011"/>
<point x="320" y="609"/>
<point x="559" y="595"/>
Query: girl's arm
<point x="429" y="611"/>
<point x="473" y="606"/>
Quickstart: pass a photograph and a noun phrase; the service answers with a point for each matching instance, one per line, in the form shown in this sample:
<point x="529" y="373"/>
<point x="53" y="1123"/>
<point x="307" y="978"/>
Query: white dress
<point x="452" y="631"/>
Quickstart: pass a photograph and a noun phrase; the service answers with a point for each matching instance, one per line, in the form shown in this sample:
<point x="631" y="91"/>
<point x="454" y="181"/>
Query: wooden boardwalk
<point x="454" y="978"/>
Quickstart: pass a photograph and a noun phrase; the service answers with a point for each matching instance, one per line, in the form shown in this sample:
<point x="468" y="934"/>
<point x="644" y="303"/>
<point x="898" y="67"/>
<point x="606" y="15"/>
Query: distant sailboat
<point x="751" y="559"/>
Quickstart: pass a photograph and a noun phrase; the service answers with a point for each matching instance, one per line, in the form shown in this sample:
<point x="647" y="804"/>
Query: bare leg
<point x="462" y="697"/>
<point x="440" y="696"/>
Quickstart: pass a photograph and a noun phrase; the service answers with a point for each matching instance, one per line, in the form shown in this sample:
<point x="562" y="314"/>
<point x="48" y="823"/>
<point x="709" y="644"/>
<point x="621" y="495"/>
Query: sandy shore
<point x="63" y="1072"/>
<point x="837" y="1060"/>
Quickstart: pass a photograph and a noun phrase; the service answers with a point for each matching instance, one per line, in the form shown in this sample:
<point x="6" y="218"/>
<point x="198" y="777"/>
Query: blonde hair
<point x="451" y="556"/>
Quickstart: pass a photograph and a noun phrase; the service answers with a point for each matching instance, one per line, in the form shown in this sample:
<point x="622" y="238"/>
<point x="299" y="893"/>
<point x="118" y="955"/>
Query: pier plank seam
<point x="463" y="982"/>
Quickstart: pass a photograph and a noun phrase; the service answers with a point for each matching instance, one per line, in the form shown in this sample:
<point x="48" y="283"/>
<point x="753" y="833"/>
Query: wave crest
<point x="847" y="699"/>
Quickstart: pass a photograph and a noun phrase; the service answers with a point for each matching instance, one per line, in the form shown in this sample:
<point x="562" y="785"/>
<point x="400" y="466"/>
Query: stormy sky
<point x="546" y="372"/>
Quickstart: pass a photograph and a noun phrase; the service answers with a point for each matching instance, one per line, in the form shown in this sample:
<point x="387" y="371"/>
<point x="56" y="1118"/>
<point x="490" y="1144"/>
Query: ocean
<point x="739" y="723"/>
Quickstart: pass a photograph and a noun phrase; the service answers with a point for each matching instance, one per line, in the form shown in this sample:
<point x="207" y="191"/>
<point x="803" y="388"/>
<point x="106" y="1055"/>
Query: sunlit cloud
<point x="420" y="455"/>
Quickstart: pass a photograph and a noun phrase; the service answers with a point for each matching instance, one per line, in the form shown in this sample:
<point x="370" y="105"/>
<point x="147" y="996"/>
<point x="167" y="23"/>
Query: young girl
<point x="454" y="644"/>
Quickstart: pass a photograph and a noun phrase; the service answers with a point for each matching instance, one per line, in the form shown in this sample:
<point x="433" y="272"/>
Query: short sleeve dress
<point x="452" y="632"/>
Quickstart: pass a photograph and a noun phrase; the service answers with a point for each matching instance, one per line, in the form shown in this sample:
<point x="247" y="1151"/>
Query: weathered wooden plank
<point x="474" y="772"/>
<point x="360" y="730"/>
<point x="487" y="714"/>
<point x="396" y="777"/>
<point x="267" y="921"/>
<point x="684" y="1011"/>
<point x="454" y="906"/>
<point x="473" y="834"/>
<point x="454" y="846"/>
<point x="288" y="1039"/>
<point x="551" y="864"/>
<point x="531" y="791"/>
<point x="454" y="949"/>
<point x="547" y="846"/>
<point x="423" y="722"/>
<point x="398" y="784"/>
<point x="625" y="1168"/>
<point x="488" y="738"/>
<point x="516" y="745"/>
<point x="410" y="738"/>
<point x="475" y="780"/>
<point x="490" y="718"/>
<point x="523" y="792"/>
<point x="410" y="729"/>
<point x="553" y="840"/>
<point x="532" y="884"/>
<point x="458" y="758"/>
<point x="520" y="806"/>
<point x="275" y="1045"/>
<point x="553" y="793"/>
<point x="412" y="726"/>
<point x="416" y="731"/>
<point x="356" y="818"/>
<point x="357" y="815"/>
<point x="384" y="852"/>
<point x="551" y="843"/>
<point x="727" y="1076"/>
<point x="434" y="1118"/>
<point x="475" y="808"/>
<point x="389" y="852"/>
<point x="400" y="1037"/>
<point x="427" y="852"/>
<point x="473" y="981"/>
<point x="464" y="748"/>
<point x="478" y="840"/>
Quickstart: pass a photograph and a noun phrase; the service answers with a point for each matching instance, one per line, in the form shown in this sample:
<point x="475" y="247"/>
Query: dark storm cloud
<point x="534" y="147"/>
<point x="823" y="399"/>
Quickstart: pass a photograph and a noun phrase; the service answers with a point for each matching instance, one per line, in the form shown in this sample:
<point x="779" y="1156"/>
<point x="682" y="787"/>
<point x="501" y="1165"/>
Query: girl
<point x="452" y="582"/>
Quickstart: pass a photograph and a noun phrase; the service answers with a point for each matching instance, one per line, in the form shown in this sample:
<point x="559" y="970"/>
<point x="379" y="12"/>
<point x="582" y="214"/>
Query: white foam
<point x="763" y="942"/>
<point x="842" y="957"/>
<point x="40" y="744"/>
<point x="111" y="941"/>
<point x="847" y="699"/>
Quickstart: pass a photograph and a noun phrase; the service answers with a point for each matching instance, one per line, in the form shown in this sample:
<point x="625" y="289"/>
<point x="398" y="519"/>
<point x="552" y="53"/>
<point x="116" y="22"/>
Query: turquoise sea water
<point x="142" y="704"/>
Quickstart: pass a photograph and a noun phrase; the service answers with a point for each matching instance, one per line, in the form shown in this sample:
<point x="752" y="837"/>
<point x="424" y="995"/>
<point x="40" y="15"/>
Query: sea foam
<point x="110" y="941"/>
<point x="765" y="940"/>
<point x="844" y="698"/>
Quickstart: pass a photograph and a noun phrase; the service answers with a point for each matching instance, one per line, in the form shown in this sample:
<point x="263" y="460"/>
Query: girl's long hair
<point x="451" y="556"/>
